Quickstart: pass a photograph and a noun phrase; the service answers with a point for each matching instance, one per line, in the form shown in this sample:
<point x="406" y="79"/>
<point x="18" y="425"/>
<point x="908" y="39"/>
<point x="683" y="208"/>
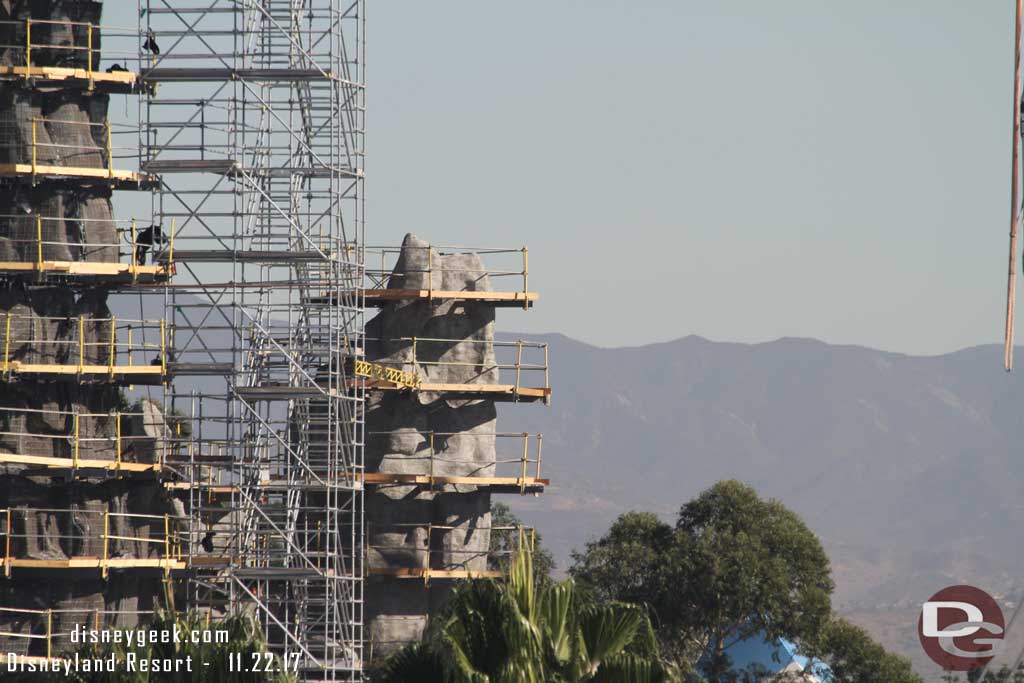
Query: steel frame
<point x="253" y="119"/>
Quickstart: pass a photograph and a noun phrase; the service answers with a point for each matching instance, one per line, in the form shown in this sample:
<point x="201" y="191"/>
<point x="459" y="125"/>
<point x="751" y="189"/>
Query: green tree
<point x="1004" y="675"/>
<point x="628" y="564"/>
<point x="505" y="542"/>
<point x="742" y="566"/>
<point x="513" y="631"/>
<point x="734" y="566"/>
<point x="855" y="658"/>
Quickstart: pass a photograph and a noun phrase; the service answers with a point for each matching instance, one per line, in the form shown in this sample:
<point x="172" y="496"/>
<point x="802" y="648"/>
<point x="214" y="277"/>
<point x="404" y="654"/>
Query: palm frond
<point x="556" y="612"/>
<point x="626" y="668"/>
<point x="605" y="631"/>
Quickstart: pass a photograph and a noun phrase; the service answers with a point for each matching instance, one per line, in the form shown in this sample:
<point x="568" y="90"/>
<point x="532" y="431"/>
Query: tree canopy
<point x="741" y="566"/>
<point x="733" y="566"/>
<point x="855" y="657"/>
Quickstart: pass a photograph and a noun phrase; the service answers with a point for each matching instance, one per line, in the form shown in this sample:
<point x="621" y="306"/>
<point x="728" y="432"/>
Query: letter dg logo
<point x="961" y="628"/>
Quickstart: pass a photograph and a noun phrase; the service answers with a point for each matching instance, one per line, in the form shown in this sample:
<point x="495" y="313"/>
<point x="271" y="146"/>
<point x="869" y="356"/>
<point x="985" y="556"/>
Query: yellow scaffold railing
<point x="400" y="377"/>
<point x="167" y="542"/>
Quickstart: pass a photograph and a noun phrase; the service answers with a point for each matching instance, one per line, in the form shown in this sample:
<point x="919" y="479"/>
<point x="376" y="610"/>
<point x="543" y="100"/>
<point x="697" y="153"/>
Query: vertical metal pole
<point x="431" y="459"/>
<point x="106" y="541"/>
<point x="526" y="279"/>
<point x="34" y="157"/>
<point x="113" y="350"/>
<point x="7" y="343"/>
<point x="519" y="365"/>
<point x="167" y="545"/>
<point x="134" y="250"/>
<point x="110" y="151"/>
<point x="7" y="545"/>
<point x="526" y="453"/>
<point x="1011" y="285"/>
<point x="81" y="344"/>
<point x="540" y="443"/>
<point x="547" y="377"/>
<point x="39" y="239"/>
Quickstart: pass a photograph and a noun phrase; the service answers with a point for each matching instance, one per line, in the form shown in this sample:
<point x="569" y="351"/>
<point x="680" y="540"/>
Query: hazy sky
<point x="741" y="170"/>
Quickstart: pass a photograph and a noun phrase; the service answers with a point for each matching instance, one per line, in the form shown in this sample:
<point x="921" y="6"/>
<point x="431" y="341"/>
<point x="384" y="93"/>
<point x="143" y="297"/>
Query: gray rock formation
<point x="56" y="515"/>
<point x="409" y="526"/>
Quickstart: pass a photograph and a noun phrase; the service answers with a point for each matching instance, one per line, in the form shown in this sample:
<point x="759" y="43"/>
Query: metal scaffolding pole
<point x="253" y="121"/>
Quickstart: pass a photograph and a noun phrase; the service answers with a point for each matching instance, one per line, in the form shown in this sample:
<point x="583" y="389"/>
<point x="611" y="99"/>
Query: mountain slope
<point x="907" y="467"/>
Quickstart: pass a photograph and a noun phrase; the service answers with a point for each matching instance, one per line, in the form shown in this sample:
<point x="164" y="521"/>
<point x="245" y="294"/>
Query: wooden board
<point x="74" y="172"/>
<point x="83" y="463"/>
<point x="51" y="369"/>
<point x="124" y="79"/>
<point x="98" y="563"/>
<point x="426" y="573"/>
<point x="87" y="269"/>
<point x="383" y="295"/>
<point x="426" y="479"/>
<point x="379" y="478"/>
<point x="492" y="391"/>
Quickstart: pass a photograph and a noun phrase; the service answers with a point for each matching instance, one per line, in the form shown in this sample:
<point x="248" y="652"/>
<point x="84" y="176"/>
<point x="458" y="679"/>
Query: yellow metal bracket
<point x="395" y="376"/>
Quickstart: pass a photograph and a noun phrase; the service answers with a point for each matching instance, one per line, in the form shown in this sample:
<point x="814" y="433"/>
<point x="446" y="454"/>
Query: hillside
<point x="907" y="467"/>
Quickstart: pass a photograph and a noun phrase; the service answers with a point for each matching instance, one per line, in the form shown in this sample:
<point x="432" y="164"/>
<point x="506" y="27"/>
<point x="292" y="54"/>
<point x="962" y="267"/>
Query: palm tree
<point x="511" y="631"/>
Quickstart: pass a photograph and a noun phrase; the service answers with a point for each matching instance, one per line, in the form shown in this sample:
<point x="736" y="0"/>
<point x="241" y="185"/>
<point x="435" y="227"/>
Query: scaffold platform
<point x="495" y="484"/>
<point x="493" y="392"/>
<point x="89" y="270"/>
<point x="135" y="374"/>
<point x="122" y="82"/>
<point x="116" y="178"/>
<point x="426" y="574"/>
<point x="380" y="297"/>
<point x="58" y="463"/>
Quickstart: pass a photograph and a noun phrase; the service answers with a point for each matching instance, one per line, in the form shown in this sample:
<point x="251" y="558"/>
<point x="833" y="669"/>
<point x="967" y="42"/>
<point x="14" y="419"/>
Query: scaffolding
<point x="90" y="539"/>
<point x="113" y="441"/>
<point x="253" y="121"/>
<point x="525" y="364"/>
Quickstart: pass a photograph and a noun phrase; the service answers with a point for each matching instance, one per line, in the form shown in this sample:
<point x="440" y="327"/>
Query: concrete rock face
<point x="70" y="130"/>
<point x="52" y="514"/>
<point x="412" y="526"/>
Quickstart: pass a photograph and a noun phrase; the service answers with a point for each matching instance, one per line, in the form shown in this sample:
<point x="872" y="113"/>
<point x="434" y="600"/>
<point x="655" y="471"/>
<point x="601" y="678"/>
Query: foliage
<point x="514" y="631"/>
<point x="742" y="566"/>
<point x="1003" y="675"/>
<point x="855" y="658"/>
<point x="628" y="564"/>
<point x="734" y="565"/>
<point x="504" y="543"/>
<point x="243" y="636"/>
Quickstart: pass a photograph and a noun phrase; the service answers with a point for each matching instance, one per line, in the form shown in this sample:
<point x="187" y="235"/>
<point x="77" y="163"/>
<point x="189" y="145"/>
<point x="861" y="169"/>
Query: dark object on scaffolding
<point x="153" y="235"/>
<point x="150" y="43"/>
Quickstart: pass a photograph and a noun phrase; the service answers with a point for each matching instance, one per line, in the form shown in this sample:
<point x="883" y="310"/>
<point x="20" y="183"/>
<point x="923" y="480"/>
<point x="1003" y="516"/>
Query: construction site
<point x="219" y="396"/>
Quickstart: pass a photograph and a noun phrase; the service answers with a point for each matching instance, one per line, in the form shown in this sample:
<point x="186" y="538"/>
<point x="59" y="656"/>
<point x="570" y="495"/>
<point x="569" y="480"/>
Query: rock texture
<point x="54" y="515"/>
<point x="413" y="527"/>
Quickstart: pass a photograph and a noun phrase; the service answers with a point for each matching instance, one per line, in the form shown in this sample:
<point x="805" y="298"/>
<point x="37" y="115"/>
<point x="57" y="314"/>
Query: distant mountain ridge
<point x="909" y="468"/>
